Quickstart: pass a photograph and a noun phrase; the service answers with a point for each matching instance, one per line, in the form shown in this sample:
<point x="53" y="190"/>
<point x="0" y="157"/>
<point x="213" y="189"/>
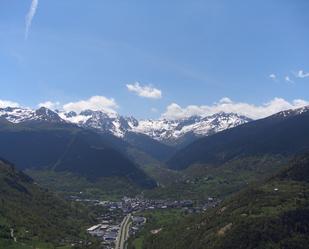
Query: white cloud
<point x="174" y="111"/>
<point x="301" y="74"/>
<point x="8" y="103"/>
<point x="30" y="15"/>
<point x="288" y="79"/>
<point x="154" y="110"/>
<point x="94" y="103"/>
<point x="273" y="76"/>
<point x="145" y="91"/>
<point x="50" y="105"/>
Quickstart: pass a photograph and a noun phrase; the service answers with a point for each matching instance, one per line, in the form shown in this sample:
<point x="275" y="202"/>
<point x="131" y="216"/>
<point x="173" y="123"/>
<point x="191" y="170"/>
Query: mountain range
<point x="97" y="144"/>
<point x="163" y="130"/>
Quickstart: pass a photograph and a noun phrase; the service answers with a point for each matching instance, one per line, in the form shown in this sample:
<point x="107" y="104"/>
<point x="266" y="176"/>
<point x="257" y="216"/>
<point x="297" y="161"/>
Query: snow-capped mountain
<point x="172" y="130"/>
<point x="162" y="129"/>
<point x="102" y="121"/>
<point x="292" y="112"/>
<point x="20" y="115"/>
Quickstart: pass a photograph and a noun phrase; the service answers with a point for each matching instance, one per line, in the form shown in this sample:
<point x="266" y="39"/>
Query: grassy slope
<point x="66" y="183"/>
<point x="158" y="219"/>
<point x="202" y="181"/>
<point x="35" y="214"/>
<point x="258" y="217"/>
<point x="112" y="188"/>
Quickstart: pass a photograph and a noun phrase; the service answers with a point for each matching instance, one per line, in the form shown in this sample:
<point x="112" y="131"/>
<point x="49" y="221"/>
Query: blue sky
<point x="193" y="52"/>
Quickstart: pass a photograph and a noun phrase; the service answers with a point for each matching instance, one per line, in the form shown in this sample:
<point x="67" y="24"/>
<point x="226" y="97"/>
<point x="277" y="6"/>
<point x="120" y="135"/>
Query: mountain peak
<point x="45" y="114"/>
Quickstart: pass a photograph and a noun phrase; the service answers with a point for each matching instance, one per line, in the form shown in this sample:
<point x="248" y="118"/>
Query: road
<point x="123" y="234"/>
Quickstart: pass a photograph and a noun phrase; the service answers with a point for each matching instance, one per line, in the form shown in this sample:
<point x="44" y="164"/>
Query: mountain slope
<point x="88" y="156"/>
<point x="273" y="214"/>
<point x="67" y="148"/>
<point x="285" y="133"/>
<point x="152" y="147"/>
<point x="31" y="213"/>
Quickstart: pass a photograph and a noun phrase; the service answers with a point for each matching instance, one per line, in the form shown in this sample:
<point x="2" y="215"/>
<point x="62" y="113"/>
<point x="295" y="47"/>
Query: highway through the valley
<point x="123" y="234"/>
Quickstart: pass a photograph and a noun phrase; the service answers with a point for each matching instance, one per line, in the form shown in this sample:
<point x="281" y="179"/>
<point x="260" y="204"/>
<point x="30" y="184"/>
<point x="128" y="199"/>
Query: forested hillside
<point x="65" y="147"/>
<point x="30" y="214"/>
<point x="273" y="214"/>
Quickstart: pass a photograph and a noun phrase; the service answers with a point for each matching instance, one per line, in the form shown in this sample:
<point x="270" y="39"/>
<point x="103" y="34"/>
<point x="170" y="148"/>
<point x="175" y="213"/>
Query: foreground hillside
<point x="274" y="214"/>
<point x="30" y="215"/>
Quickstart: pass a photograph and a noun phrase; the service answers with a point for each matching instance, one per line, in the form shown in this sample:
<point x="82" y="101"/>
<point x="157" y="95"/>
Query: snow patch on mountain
<point x="19" y="115"/>
<point x="292" y="112"/>
<point x="200" y="126"/>
<point x="162" y="129"/>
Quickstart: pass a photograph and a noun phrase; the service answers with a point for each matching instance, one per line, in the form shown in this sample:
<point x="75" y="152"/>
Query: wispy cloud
<point x="301" y="74"/>
<point x="50" y="105"/>
<point x="288" y="79"/>
<point x="145" y="91"/>
<point x="154" y="110"/>
<point x="175" y="111"/>
<point x="273" y="76"/>
<point x="30" y="15"/>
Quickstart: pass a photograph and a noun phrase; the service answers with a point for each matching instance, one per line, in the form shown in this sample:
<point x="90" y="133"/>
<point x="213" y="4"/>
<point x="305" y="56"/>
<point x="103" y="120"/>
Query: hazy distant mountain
<point x="284" y="133"/>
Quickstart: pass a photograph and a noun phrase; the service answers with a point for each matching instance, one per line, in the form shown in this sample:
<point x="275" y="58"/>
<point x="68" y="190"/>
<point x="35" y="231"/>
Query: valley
<point x="154" y="124"/>
<point x="135" y="188"/>
<point x="118" y="221"/>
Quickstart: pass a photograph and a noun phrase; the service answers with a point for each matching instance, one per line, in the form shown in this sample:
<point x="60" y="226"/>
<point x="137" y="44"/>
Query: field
<point x="156" y="220"/>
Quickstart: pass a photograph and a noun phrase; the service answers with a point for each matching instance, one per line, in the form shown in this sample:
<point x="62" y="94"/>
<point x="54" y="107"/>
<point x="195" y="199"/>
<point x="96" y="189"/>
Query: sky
<point x="153" y="59"/>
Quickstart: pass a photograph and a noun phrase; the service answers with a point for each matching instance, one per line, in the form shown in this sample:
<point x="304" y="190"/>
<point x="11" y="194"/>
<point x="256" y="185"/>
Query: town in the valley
<point x="119" y="220"/>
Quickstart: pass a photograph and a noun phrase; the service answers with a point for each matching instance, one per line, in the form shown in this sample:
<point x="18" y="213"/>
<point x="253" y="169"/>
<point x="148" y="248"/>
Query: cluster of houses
<point x="108" y="232"/>
<point x="138" y="204"/>
<point x="105" y="231"/>
<point x="114" y="212"/>
<point x="137" y="223"/>
<point x="130" y="205"/>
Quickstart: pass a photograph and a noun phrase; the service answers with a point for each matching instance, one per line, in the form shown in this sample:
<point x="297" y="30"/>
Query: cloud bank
<point x="94" y="103"/>
<point x="175" y="111"/>
<point x="30" y="15"/>
<point x="50" y="105"/>
<point x="145" y="91"/>
<point x="8" y="103"/>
